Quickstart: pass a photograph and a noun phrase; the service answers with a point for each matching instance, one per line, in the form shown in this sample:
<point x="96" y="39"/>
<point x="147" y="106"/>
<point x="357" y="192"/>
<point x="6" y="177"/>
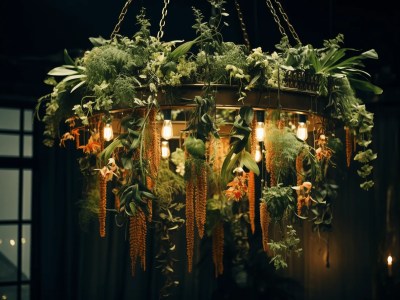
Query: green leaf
<point x="370" y="54"/>
<point x="246" y="113"/>
<point x="248" y="161"/>
<point x="364" y="85"/>
<point x="195" y="147"/>
<point x="62" y="71"/>
<point x="78" y="86"/>
<point x="67" y="59"/>
<point x="182" y="49"/>
<point x="98" y="41"/>
<point x="72" y="77"/>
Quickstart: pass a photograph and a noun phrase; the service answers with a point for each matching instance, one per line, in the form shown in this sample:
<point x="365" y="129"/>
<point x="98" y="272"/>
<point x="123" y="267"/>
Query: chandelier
<point x="239" y="139"/>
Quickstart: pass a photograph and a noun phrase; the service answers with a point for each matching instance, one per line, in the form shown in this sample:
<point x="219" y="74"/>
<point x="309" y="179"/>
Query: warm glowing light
<point x="108" y="133"/>
<point x="167" y="131"/>
<point x="23" y="240"/>
<point x="165" y="152"/>
<point x="258" y="154"/>
<point x="302" y="131"/>
<point x="12" y="242"/>
<point x="389" y="260"/>
<point x="260" y="132"/>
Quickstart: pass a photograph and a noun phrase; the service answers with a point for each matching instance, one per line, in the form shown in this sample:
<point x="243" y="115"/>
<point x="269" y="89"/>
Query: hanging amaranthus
<point x="252" y="199"/>
<point x="264" y="220"/>
<point x="152" y="153"/>
<point x="201" y="199"/>
<point x="299" y="168"/>
<point x="272" y="173"/>
<point x="102" y="204"/>
<point x="218" y="248"/>
<point x="137" y="240"/>
<point x="349" y="146"/>
<point x="190" y="193"/>
<point x="251" y="194"/>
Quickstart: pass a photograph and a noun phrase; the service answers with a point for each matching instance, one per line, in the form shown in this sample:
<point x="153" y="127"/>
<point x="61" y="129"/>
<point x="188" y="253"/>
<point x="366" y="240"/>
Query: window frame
<point x="21" y="164"/>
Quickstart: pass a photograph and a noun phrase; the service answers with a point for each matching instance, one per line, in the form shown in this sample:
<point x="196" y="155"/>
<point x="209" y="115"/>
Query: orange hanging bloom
<point x="237" y="188"/>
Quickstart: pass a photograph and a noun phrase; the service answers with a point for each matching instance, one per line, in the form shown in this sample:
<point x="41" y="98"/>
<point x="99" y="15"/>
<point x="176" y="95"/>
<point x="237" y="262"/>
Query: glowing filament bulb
<point x="165" y="152"/>
<point x="260" y="132"/>
<point x="258" y="154"/>
<point x="108" y="133"/>
<point x="167" y="131"/>
<point x="302" y="131"/>
<point x="389" y="260"/>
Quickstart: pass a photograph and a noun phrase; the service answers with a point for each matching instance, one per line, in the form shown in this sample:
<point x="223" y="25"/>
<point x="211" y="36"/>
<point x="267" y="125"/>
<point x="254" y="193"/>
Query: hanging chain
<point x="276" y="18"/>
<point x="286" y="18"/>
<point x="164" y="13"/>
<point x="120" y="19"/>
<point x="242" y="25"/>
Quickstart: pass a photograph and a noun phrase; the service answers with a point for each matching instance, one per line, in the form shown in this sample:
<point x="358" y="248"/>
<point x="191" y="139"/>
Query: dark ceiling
<point x="34" y="33"/>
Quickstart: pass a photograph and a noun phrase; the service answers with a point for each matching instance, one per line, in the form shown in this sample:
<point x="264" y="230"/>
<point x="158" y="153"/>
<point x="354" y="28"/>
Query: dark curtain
<point x="73" y="262"/>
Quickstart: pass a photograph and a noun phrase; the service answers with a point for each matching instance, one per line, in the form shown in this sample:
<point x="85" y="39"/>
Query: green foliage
<point x="282" y="249"/>
<point x="168" y="186"/>
<point x="280" y="201"/>
<point x="238" y="156"/>
<point x="321" y="207"/>
<point x="285" y="147"/>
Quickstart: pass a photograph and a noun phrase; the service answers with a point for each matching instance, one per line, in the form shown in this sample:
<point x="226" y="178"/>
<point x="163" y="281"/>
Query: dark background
<point x="71" y="262"/>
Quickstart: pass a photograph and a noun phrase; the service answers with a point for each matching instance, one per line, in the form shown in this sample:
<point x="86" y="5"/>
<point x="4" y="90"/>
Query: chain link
<point x="242" y="25"/>
<point x="164" y="13"/>
<point x="120" y="19"/>
<point x="286" y="18"/>
<point x="273" y="12"/>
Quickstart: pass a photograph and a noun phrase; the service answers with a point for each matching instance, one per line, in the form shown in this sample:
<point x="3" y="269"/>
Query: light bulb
<point x="108" y="133"/>
<point x="167" y="131"/>
<point x="165" y="152"/>
<point x="258" y="154"/>
<point x="302" y="131"/>
<point x="389" y="260"/>
<point x="260" y="132"/>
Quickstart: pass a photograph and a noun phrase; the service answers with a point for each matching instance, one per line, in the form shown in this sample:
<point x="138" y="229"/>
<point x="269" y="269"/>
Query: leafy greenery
<point x="284" y="248"/>
<point x="136" y="72"/>
<point x="279" y="200"/>
<point x="168" y="186"/>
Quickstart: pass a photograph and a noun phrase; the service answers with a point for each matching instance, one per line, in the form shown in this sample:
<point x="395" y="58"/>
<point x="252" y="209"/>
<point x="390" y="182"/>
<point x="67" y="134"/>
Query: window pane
<point x="9" y="118"/>
<point x="26" y="252"/>
<point x="9" y="194"/>
<point x="25" y="292"/>
<point x="28" y="147"/>
<point x="9" y="145"/>
<point x="8" y="292"/>
<point x="27" y="195"/>
<point x="8" y="252"/>
<point x="28" y="120"/>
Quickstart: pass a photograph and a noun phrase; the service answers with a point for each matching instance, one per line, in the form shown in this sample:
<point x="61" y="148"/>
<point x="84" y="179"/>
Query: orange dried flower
<point x="218" y="248"/>
<point x="264" y="221"/>
<point x="237" y="187"/>
<point x="190" y="191"/>
<point x="252" y="200"/>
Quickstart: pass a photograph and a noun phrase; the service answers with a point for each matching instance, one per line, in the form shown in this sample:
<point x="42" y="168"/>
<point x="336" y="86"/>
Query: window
<point x="16" y="173"/>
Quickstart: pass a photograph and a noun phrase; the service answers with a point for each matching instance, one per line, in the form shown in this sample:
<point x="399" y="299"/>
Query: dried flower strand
<point x="218" y="248"/>
<point x="201" y="200"/>
<point x="252" y="199"/>
<point x="102" y="205"/>
<point x="349" y="146"/>
<point x="264" y="221"/>
<point x="190" y="191"/>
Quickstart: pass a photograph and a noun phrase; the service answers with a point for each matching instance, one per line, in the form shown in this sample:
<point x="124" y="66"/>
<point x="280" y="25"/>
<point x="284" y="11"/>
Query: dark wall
<point x="33" y="35"/>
